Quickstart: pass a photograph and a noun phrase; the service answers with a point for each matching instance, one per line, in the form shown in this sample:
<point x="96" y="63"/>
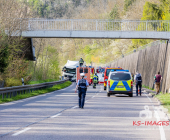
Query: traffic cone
<point x="139" y="91"/>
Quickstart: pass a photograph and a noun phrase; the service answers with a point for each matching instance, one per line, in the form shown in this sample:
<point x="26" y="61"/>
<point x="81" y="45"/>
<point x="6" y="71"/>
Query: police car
<point x="120" y="82"/>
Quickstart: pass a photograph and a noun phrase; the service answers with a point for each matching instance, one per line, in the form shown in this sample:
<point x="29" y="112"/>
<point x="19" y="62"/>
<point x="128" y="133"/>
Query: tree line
<point x="52" y="54"/>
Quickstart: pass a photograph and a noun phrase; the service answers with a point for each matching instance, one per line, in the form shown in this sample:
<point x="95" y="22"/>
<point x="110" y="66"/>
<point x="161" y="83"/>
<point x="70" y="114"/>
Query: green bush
<point x="9" y="82"/>
<point x="128" y="3"/>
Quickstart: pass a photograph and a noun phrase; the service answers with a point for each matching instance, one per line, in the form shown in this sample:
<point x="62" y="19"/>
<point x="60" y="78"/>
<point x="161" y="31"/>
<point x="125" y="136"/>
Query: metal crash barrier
<point x="17" y="90"/>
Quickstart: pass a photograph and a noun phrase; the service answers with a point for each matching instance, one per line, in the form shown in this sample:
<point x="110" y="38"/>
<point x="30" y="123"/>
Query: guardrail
<point x="17" y="90"/>
<point x="97" y="25"/>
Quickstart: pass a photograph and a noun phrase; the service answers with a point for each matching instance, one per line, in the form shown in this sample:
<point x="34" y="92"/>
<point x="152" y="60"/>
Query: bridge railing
<point x="98" y="25"/>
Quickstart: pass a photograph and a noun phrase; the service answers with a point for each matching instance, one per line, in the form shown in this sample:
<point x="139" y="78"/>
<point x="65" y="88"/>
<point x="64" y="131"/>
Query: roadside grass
<point x="164" y="99"/>
<point x="35" y="93"/>
<point x="42" y="81"/>
<point x="147" y="87"/>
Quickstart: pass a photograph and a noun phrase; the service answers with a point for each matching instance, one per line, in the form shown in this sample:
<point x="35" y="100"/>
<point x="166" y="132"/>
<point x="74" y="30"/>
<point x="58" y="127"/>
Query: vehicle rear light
<point x="131" y="83"/>
<point x="109" y="83"/>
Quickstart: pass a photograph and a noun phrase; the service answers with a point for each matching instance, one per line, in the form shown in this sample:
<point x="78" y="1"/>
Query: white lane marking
<point x="22" y="131"/>
<point x="93" y="96"/>
<point x="74" y="107"/>
<point x="66" y="87"/>
<point x="148" y="98"/>
<point x="56" y="115"/>
<point x="161" y="129"/>
<point x="65" y="95"/>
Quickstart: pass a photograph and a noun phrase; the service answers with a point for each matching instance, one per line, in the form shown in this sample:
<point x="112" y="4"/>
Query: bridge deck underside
<point x="95" y="34"/>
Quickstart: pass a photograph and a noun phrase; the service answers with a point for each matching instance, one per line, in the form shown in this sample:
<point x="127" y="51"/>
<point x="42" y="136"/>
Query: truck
<point x="87" y="70"/>
<point x="69" y="70"/>
<point x="106" y="74"/>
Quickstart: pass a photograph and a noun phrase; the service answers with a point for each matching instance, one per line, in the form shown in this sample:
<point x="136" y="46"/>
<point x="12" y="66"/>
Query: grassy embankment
<point x="163" y="98"/>
<point x="35" y="93"/>
<point x="147" y="87"/>
<point x="42" y="81"/>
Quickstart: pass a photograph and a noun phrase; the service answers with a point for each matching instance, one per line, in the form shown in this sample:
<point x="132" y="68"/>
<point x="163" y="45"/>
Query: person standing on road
<point x="82" y="85"/>
<point x="95" y="80"/>
<point x="138" y="81"/>
<point x="158" y="79"/>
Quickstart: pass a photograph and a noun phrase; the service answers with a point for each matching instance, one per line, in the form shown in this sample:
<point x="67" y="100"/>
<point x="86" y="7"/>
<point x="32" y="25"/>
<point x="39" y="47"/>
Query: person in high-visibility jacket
<point x="91" y="78"/>
<point x="95" y="80"/>
<point x="81" y="62"/>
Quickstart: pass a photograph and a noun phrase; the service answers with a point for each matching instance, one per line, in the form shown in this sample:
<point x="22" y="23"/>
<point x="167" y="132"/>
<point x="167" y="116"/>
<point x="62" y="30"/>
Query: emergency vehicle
<point x="106" y="74"/>
<point x="120" y="82"/>
<point x="100" y="71"/>
<point x="69" y="70"/>
<point x="87" y="70"/>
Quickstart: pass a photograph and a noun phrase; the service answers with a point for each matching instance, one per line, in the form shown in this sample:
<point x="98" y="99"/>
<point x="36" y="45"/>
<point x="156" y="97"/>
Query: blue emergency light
<point x="119" y="70"/>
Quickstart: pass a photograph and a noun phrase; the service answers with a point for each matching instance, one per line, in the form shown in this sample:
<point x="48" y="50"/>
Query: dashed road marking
<point x="22" y="131"/>
<point x="74" y="107"/>
<point x="56" y="115"/>
<point x="39" y="120"/>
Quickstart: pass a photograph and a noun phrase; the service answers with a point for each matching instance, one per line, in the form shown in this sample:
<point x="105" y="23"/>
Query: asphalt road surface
<point x="56" y="116"/>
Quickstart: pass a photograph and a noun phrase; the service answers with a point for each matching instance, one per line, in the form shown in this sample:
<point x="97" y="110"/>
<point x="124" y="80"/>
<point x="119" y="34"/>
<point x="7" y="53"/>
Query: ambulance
<point x="106" y="74"/>
<point x="87" y="70"/>
<point x="120" y="82"/>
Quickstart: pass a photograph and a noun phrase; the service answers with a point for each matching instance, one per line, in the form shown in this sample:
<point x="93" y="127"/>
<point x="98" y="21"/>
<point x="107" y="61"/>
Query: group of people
<point x="82" y="85"/>
<point x="138" y="82"/>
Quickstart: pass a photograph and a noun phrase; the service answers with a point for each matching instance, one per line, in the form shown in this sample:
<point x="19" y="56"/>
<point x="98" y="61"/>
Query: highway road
<point x="56" y="116"/>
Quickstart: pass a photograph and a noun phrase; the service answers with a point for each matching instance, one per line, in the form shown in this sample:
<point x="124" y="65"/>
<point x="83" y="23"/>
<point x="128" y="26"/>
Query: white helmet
<point x="82" y="74"/>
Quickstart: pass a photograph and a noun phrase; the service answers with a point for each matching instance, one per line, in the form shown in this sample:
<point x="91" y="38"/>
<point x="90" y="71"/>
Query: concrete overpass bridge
<point x="84" y="28"/>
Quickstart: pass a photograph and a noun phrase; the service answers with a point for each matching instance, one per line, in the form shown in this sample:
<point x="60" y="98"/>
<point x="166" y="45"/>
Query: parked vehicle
<point x="100" y="71"/>
<point x="87" y="70"/>
<point x="106" y="74"/>
<point x="120" y="82"/>
<point x="69" y="70"/>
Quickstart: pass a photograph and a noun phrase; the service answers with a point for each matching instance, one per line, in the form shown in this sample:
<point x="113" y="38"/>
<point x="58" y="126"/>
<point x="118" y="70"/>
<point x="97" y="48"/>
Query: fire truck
<point x="106" y="74"/>
<point x="87" y="70"/>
